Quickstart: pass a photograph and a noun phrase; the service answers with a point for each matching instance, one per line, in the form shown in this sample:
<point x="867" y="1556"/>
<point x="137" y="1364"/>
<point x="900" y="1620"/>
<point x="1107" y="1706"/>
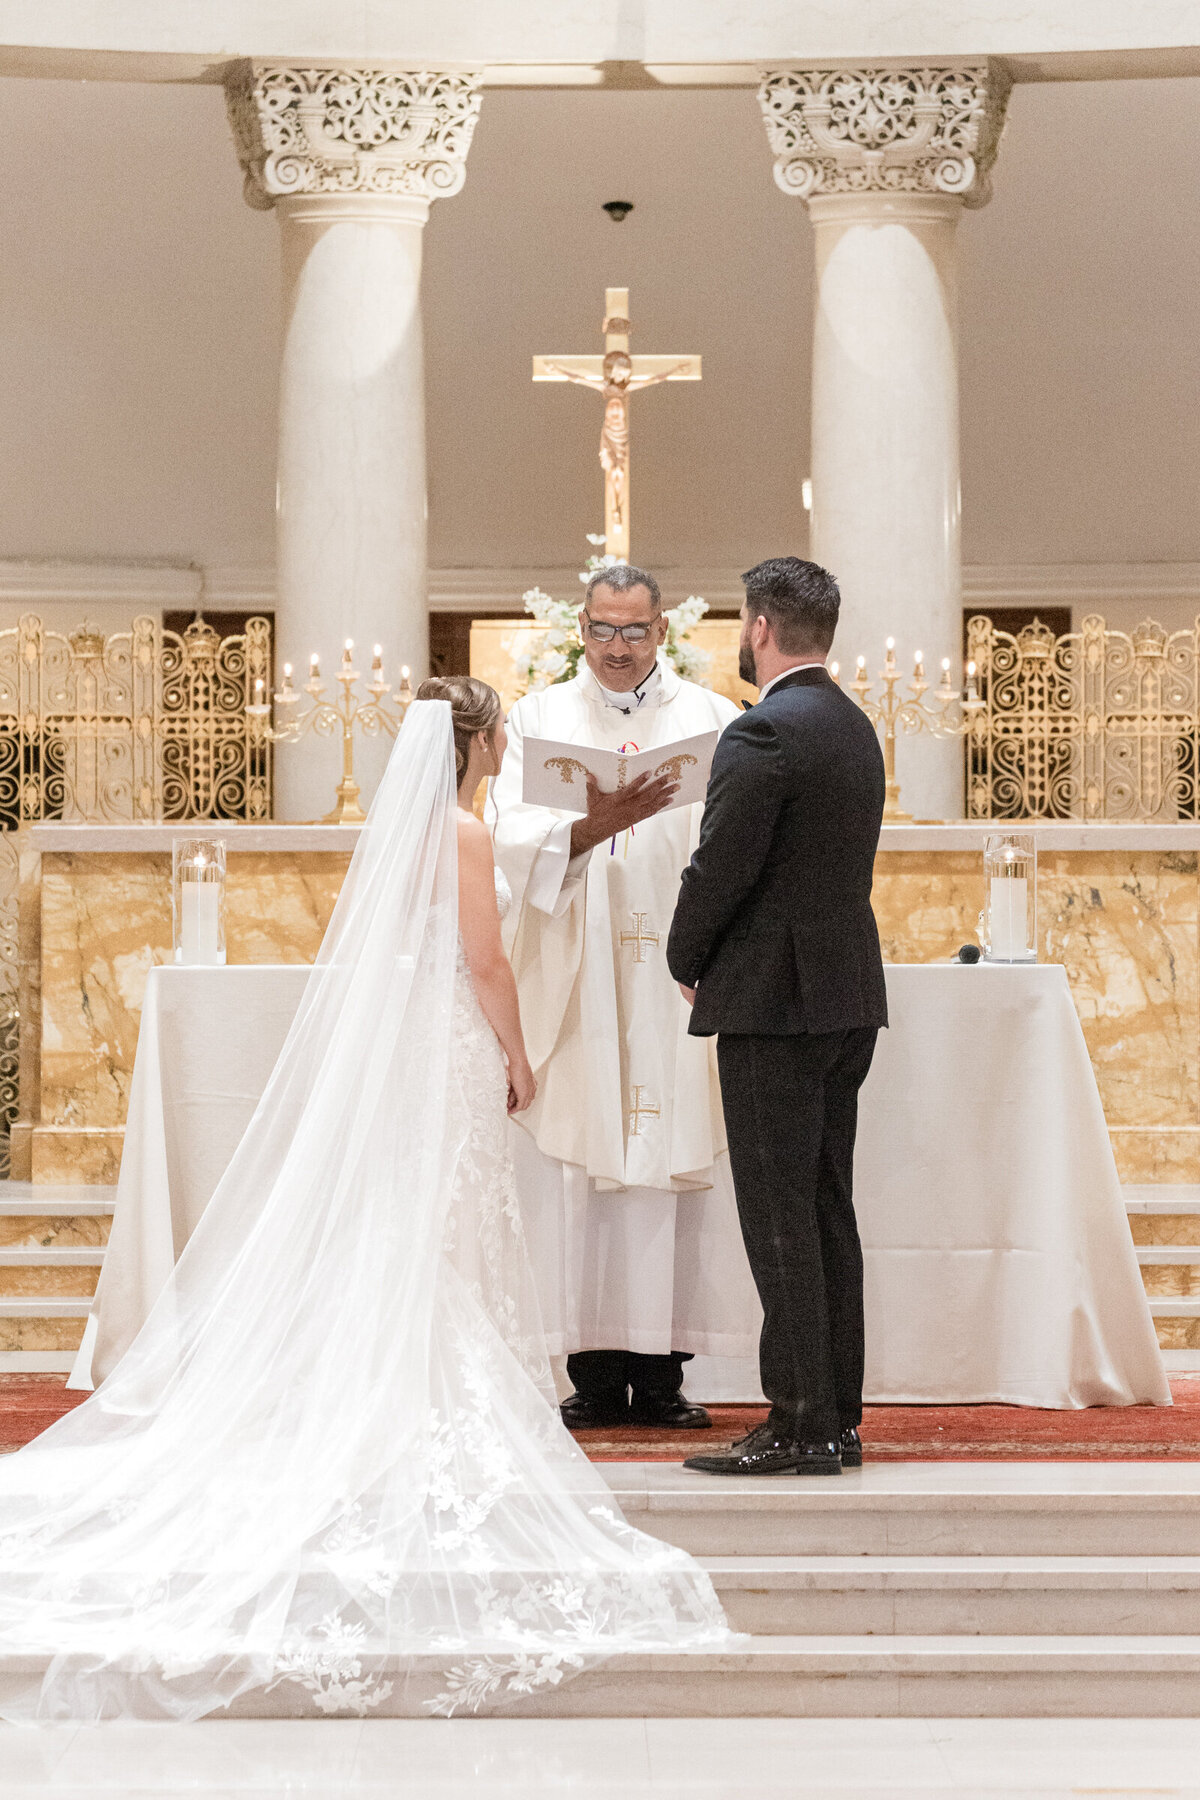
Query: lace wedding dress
<point x="329" y="1475"/>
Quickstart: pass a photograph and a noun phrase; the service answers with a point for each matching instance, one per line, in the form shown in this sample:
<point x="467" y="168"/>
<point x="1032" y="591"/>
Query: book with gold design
<point x="556" y="774"/>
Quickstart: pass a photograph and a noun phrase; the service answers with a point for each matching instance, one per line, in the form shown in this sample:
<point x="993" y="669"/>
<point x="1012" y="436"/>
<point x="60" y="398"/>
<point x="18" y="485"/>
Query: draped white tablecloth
<point x="999" y="1264"/>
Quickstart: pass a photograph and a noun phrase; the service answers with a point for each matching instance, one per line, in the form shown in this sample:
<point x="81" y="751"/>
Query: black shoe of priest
<point x="763" y="1452"/>
<point x="669" y="1412"/>
<point x="850" y="1445"/>
<point x="595" y="1412"/>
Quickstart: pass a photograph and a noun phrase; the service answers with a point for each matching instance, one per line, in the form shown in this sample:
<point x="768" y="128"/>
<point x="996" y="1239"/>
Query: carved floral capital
<point x="351" y="131"/>
<point x="906" y="131"/>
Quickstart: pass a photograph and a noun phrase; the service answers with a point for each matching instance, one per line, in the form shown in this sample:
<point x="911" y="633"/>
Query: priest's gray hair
<point x="621" y="578"/>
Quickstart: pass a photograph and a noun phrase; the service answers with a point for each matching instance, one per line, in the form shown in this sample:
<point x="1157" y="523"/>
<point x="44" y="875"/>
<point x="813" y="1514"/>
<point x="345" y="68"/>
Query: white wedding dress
<point x="329" y="1475"/>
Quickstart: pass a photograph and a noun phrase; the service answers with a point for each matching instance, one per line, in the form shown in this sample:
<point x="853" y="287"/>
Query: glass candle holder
<point x="1008" y="922"/>
<point x="198" y="900"/>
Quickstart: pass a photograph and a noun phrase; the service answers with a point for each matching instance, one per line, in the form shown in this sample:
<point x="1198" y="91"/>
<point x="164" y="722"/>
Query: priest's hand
<point x="608" y="815"/>
<point x="688" y="993"/>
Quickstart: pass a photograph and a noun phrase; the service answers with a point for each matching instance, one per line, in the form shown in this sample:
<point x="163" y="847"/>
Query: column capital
<point x="398" y="132"/>
<point x="921" y="130"/>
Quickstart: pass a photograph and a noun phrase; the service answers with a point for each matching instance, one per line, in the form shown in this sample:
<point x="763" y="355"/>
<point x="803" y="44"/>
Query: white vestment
<point x="621" y="1161"/>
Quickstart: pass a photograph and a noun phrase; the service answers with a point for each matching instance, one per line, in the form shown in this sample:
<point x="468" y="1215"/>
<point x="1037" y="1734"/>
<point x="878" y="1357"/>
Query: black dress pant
<point x="791" y="1111"/>
<point x="606" y="1374"/>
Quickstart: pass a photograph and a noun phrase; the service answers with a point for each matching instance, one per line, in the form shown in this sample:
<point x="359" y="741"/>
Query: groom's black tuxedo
<point x="775" y="931"/>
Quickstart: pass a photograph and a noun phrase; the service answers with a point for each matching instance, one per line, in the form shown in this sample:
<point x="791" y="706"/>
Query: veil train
<point x="321" y="1471"/>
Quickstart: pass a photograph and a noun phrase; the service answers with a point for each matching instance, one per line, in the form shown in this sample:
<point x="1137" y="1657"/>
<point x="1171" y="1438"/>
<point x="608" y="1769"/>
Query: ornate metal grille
<point x="1095" y="724"/>
<point x="142" y="724"/>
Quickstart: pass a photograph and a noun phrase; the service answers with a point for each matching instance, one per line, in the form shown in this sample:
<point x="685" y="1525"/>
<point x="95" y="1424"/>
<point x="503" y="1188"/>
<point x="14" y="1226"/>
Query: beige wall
<point x="138" y="330"/>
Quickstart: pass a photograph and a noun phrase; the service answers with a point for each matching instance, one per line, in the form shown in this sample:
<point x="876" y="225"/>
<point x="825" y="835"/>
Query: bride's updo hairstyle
<point x="474" y="706"/>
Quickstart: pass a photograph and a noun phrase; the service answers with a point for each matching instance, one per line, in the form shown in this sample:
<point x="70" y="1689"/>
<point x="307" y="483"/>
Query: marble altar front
<point x="1119" y="907"/>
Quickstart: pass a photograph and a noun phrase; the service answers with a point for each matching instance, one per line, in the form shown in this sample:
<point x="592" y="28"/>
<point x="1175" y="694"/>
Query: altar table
<point x="999" y="1264"/>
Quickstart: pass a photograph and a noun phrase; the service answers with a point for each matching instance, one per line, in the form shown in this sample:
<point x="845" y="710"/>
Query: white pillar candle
<point x="1008" y="919"/>
<point x="199" y="925"/>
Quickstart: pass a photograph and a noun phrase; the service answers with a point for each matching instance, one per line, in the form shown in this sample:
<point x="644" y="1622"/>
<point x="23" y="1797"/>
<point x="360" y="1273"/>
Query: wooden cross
<point x="641" y="1109"/>
<point x="615" y="376"/>
<point x="639" y="937"/>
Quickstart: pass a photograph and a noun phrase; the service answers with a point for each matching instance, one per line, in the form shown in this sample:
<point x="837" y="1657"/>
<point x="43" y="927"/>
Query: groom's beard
<point x="746" y="668"/>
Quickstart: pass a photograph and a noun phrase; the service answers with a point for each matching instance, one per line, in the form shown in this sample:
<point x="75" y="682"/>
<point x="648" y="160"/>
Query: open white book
<point x="556" y="774"/>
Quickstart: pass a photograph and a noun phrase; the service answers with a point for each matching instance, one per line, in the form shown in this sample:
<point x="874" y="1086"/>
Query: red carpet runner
<point x="29" y="1403"/>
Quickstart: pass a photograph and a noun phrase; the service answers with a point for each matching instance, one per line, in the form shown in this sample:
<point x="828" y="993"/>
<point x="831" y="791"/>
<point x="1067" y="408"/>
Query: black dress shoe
<point x="850" y="1445"/>
<point x="763" y="1452"/>
<point x="672" y="1413"/>
<point x="595" y="1412"/>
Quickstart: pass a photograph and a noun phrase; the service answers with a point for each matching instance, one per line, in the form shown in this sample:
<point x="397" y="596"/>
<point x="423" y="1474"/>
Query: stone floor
<point x="617" y="1759"/>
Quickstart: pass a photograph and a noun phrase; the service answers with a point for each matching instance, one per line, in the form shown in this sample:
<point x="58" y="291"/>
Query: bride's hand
<point x="521" y="1087"/>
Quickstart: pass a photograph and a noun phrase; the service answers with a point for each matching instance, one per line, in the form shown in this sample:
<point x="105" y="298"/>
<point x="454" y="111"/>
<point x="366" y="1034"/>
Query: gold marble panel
<point x="40" y="1334"/>
<point x="1161" y="1156"/>
<point x="1165" y="1228"/>
<point x="38" y="1232"/>
<point x="1178" y="1281"/>
<point x="106" y="921"/>
<point x="1125" y="926"/>
<point x="926" y="905"/>
<point x="88" y="1158"/>
<point x="1178" y="1334"/>
<point x="48" y="1282"/>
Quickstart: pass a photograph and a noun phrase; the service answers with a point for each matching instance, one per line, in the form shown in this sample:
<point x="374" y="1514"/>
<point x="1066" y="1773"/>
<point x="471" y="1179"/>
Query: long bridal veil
<point x="321" y="1475"/>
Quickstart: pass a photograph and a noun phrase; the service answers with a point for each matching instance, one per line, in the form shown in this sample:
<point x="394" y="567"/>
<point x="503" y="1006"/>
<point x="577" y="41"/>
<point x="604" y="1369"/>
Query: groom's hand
<point x="610" y="814"/>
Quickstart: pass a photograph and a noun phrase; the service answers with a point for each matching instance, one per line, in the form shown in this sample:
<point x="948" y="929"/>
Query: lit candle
<point x="200" y="899"/>
<point x="833" y="670"/>
<point x="945" y="665"/>
<point x="258" y="689"/>
<point x="314" y="667"/>
<point x="346" y="653"/>
<point x="377" y="663"/>
<point x="287" y="678"/>
<point x="919" y="667"/>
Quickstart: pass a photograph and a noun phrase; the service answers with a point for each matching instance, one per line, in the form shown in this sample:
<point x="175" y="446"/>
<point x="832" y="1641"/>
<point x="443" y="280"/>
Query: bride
<point x="329" y="1473"/>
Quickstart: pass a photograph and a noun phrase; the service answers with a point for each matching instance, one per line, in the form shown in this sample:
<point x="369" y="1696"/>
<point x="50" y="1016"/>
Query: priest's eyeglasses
<point x="603" y="633"/>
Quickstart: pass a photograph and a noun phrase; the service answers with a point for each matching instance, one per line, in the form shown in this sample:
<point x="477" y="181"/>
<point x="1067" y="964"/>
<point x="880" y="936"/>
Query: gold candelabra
<point x="346" y="712"/>
<point x="891" y="711"/>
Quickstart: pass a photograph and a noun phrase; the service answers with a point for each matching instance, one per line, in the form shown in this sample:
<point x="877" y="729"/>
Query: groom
<point x="774" y="940"/>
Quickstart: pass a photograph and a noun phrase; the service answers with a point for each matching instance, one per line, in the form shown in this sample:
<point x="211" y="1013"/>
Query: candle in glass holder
<point x="198" y="892"/>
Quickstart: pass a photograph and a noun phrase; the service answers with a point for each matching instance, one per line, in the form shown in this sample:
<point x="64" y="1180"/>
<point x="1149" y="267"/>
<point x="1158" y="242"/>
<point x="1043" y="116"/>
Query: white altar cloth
<point x="208" y="1041"/>
<point x="999" y="1264"/>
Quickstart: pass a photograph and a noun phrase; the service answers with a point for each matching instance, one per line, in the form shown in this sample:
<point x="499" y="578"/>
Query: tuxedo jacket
<point x="774" y="926"/>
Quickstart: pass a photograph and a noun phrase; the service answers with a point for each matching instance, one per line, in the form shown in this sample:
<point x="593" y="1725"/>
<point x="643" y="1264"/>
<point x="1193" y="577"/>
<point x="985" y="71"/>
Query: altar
<point x="999" y="1265"/>
<point x="1119" y="909"/>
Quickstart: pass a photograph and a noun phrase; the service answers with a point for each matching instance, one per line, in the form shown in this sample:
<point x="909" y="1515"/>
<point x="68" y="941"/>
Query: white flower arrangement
<point x="554" y="654"/>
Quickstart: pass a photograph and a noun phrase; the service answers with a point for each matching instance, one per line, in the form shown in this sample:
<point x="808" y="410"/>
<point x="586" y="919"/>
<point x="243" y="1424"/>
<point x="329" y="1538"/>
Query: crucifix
<point x="615" y="376"/>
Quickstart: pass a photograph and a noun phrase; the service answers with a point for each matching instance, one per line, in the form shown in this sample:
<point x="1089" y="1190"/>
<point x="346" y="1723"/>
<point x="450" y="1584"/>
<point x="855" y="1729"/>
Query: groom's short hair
<point x="798" y="599"/>
<point x="622" y="578"/>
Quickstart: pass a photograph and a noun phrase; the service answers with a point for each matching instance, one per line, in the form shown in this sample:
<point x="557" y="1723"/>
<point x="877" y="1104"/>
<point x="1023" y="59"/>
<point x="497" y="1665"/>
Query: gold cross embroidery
<point x="641" y="1109"/>
<point x="639" y="937"/>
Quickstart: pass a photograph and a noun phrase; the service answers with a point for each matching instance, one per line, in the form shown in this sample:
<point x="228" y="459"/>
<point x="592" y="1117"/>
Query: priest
<point x="621" y="1161"/>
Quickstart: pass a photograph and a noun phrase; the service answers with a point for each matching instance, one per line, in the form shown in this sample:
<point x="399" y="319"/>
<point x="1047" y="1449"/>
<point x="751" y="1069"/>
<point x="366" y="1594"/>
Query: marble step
<point x="976" y="1595"/>
<point x="857" y="1676"/>
<point x="919" y="1509"/>
<point x="38" y="1307"/>
<point x="1149" y="1254"/>
<point x="50" y="1256"/>
<point x="55" y="1199"/>
<point x="1164" y="1197"/>
<point x="1170" y="1306"/>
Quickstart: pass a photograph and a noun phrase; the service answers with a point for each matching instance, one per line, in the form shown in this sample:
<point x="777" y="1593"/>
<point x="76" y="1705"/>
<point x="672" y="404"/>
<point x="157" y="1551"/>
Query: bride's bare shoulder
<point x="474" y="838"/>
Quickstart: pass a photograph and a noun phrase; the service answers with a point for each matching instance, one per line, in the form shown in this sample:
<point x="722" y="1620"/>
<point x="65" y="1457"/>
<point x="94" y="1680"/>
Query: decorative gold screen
<point x="141" y="724"/>
<point x="1095" y="724"/>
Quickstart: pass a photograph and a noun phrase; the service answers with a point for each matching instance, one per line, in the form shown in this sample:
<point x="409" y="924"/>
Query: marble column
<point x="885" y="160"/>
<point x="350" y="160"/>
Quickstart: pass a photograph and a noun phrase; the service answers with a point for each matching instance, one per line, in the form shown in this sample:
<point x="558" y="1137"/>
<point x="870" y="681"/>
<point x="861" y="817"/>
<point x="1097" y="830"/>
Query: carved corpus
<point x="909" y="131"/>
<point x="351" y="131"/>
